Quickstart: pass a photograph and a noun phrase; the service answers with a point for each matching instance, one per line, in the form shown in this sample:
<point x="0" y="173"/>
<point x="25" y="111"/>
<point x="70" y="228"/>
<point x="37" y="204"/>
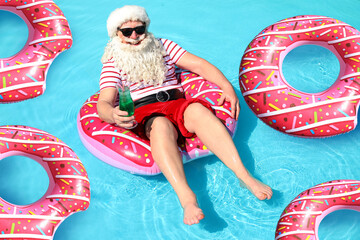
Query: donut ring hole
<point x="310" y="68"/>
<point x="14" y="34"/>
<point x="339" y="223"/>
<point x="24" y="181"/>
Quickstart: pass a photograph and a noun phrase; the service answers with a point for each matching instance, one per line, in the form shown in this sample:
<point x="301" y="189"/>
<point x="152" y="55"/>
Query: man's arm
<point x="108" y="112"/>
<point x="212" y="74"/>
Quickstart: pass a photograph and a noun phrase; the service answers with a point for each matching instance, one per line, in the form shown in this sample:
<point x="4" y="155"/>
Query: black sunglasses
<point x="128" y="31"/>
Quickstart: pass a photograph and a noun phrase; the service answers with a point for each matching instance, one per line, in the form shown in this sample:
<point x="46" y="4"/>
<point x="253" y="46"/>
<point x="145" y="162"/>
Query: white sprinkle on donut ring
<point x="68" y="192"/>
<point x="301" y="218"/>
<point x="275" y="102"/>
<point x="23" y="76"/>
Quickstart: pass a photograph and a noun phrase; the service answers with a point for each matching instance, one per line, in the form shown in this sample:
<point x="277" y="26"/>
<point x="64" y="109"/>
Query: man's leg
<point x="201" y="121"/>
<point x="163" y="140"/>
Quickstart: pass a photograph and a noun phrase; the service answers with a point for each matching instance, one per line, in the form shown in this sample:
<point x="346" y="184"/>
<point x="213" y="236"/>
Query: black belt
<point x="162" y="96"/>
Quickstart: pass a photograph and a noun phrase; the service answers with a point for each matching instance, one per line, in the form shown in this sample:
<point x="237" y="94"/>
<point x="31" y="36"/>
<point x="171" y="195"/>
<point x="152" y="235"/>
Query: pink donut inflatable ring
<point x="276" y="103"/>
<point x="68" y="192"/>
<point x="301" y="218"/>
<point x="123" y="149"/>
<point x="23" y="76"/>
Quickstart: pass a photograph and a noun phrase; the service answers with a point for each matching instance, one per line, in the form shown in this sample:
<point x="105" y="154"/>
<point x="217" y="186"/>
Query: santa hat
<point x="122" y="15"/>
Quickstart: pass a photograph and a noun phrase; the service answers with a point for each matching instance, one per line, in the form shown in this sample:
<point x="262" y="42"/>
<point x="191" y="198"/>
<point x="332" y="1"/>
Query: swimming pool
<point x="124" y="206"/>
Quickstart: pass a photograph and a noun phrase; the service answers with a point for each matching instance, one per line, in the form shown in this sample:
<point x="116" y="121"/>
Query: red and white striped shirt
<point x="110" y="75"/>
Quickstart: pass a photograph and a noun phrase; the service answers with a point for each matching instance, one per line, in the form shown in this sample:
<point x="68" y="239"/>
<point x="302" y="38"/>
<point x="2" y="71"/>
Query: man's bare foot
<point x="192" y="214"/>
<point x="259" y="189"/>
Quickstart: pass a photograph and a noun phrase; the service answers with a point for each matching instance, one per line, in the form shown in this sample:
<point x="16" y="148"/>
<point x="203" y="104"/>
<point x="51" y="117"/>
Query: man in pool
<point x="134" y="57"/>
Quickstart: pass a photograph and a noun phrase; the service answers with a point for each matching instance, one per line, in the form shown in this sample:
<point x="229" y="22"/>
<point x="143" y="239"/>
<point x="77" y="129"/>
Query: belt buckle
<point x="161" y="95"/>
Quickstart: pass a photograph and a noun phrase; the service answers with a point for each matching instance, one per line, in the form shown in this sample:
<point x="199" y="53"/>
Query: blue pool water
<point x="124" y="206"/>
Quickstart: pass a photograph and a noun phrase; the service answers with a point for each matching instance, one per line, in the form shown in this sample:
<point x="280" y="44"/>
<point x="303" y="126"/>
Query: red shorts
<point x="172" y="110"/>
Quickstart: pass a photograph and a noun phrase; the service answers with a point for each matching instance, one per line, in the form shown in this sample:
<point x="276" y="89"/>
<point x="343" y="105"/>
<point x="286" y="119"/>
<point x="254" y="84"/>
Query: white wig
<point x="124" y="14"/>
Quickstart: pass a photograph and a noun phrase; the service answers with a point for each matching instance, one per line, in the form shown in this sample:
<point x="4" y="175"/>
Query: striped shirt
<point x="110" y="75"/>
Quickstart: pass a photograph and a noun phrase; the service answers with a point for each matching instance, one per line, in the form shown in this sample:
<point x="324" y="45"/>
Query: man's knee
<point x="196" y="110"/>
<point x="195" y="113"/>
<point x="160" y="126"/>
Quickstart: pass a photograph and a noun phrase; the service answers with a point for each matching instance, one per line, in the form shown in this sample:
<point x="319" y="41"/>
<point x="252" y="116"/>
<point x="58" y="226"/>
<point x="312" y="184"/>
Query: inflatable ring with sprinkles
<point x="23" y="76"/>
<point x="68" y="191"/>
<point x="286" y="109"/>
<point x="301" y="218"/>
<point x="124" y="149"/>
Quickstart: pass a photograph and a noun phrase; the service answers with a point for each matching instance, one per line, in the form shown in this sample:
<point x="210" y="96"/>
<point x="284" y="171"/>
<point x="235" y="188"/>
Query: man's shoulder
<point x="165" y="41"/>
<point x="110" y="61"/>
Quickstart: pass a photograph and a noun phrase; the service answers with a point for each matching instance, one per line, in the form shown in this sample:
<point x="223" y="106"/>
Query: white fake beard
<point x="143" y="63"/>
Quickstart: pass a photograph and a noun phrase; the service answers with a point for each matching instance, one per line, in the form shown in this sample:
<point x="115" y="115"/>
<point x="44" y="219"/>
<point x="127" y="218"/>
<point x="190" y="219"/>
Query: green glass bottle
<point x="125" y="101"/>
